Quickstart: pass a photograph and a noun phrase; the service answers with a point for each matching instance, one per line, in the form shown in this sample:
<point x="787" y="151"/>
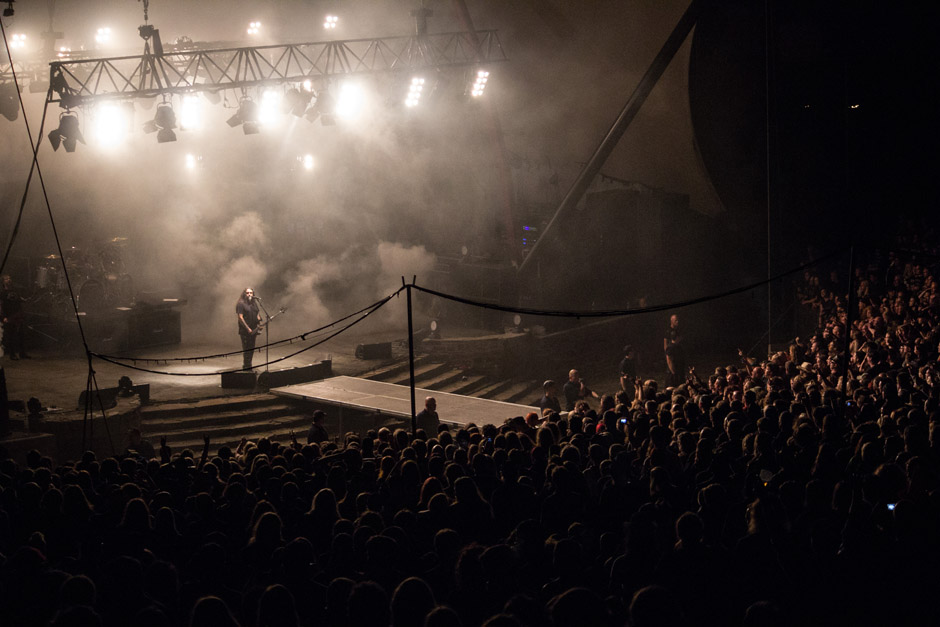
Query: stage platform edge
<point x="394" y="401"/>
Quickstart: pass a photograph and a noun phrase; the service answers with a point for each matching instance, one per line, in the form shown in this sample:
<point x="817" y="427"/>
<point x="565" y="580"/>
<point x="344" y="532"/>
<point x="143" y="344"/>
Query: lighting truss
<point x="80" y="81"/>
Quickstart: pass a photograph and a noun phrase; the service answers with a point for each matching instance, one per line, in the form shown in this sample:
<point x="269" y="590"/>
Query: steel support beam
<point x="620" y="125"/>
<point x="78" y="82"/>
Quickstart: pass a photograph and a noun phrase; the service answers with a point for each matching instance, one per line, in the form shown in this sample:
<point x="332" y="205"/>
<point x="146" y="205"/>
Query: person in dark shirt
<point x="427" y="418"/>
<point x="249" y="324"/>
<point x="549" y="398"/>
<point x="576" y="390"/>
<point x="674" y="348"/>
<point x="317" y="432"/>
<point x="627" y="368"/>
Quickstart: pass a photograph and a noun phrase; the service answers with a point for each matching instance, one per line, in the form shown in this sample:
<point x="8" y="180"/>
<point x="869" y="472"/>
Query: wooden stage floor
<point x="395" y="400"/>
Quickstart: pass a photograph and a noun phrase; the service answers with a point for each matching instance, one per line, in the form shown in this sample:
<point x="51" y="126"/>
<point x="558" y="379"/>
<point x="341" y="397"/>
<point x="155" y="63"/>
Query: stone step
<point x="465" y="385"/>
<point x="207" y="419"/>
<point x="516" y="391"/>
<point x="281" y="435"/>
<point x="493" y="389"/>
<point x="387" y="371"/>
<point x="441" y="381"/>
<point x="241" y="402"/>
<point x="233" y="432"/>
<point x="422" y="373"/>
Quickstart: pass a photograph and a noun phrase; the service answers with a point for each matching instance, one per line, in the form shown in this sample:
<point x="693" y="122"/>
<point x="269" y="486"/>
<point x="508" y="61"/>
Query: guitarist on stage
<point x="249" y="323"/>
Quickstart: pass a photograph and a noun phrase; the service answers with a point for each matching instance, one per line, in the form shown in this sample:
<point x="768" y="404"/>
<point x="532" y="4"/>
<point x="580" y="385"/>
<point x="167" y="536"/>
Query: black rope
<point x="627" y="312"/>
<point x="365" y="315"/>
<point x="290" y="340"/>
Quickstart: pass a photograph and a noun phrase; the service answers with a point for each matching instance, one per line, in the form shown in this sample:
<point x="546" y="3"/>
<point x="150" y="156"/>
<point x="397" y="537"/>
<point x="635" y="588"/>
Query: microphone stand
<point x="267" y="331"/>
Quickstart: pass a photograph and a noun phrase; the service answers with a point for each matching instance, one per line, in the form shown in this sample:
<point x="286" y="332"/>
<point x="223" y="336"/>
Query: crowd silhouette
<point x="757" y="495"/>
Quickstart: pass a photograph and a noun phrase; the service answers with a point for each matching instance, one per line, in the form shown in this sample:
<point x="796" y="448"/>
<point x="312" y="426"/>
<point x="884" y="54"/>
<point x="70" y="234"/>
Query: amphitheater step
<point x="192" y="437"/>
<point x="493" y="389"/>
<point x="516" y="391"/>
<point x="464" y="385"/>
<point x="423" y="373"/>
<point x="392" y="370"/>
<point x="213" y="418"/>
<point x="443" y="380"/>
<point x="242" y="402"/>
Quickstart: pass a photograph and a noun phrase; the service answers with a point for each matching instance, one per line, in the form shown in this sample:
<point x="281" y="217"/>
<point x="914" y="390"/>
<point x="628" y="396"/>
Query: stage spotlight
<point x="103" y="36"/>
<point x="247" y="116"/>
<point x="165" y="119"/>
<point x="308" y="86"/>
<point x="479" y="85"/>
<point x="435" y="333"/>
<point x="306" y="161"/>
<point x="67" y="134"/>
<point x="414" y="92"/>
<point x="64" y="52"/>
<point x="192" y="161"/>
<point x="18" y="41"/>
<point x="9" y="101"/>
<point x="112" y="122"/>
<point x="268" y="111"/>
<point x="254" y="28"/>
<point x="8" y="12"/>
<point x="350" y="102"/>
<point x="190" y="112"/>
<point x="330" y="22"/>
<point x="295" y="101"/>
<point x="324" y="108"/>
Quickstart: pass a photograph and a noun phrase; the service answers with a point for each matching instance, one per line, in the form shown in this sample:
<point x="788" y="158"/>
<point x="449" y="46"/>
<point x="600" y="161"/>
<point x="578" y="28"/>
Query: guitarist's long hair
<point x="244" y="296"/>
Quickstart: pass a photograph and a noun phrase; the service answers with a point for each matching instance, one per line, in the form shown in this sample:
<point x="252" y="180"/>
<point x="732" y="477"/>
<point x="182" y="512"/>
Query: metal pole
<point x="411" y="365"/>
<point x="848" y="327"/>
<point x="627" y="114"/>
<point x="767" y="165"/>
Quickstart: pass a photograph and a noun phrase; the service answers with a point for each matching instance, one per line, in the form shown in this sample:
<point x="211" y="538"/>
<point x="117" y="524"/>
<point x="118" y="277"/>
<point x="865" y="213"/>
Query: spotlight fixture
<point x="18" y="41"/>
<point x="330" y="22"/>
<point x="165" y="118"/>
<point x="414" y="92"/>
<point x="67" y="134"/>
<point x="8" y="12"/>
<point x="295" y="101"/>
<point x="9" y="101"/>
<point x="435" y="333"/>
<point x="163" y="123"/>
<point x="192" y="161"/>
<point x="247" y="116"/>
<point x="110" y="123"/>
<point x="103" y="36"/>
<point x="254" y="28"/>
<point x="306" y="161"/>
<point x="324" y="108"/>
<point x="479" y="85"/>
<point x="64" y="51"/>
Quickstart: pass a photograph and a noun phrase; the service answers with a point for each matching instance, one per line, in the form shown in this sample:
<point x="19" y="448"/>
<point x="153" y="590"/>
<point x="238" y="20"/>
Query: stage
<point x="394" y="401"/>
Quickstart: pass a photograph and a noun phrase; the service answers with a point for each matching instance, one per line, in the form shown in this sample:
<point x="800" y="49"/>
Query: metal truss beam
<point x="78" y="82"/>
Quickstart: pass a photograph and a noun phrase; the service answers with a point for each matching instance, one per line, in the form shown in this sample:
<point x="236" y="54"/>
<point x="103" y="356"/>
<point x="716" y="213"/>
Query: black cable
<point x="627" y="312"/>
<point x="297" y="338"/>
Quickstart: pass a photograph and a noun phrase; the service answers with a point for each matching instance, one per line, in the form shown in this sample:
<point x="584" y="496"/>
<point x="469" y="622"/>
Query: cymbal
<point x="118" y="240"/>
<point x="51" y="257"/>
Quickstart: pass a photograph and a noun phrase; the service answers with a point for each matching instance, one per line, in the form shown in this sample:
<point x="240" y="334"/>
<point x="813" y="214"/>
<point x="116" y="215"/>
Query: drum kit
<point x="98" y="277"/>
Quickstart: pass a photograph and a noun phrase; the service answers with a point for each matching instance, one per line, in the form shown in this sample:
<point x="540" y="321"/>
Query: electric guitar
<point x="264" y="323"/>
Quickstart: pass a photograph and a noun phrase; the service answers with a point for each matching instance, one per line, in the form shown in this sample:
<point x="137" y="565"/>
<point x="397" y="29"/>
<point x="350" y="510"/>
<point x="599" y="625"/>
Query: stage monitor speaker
<point x="293" y="376"/>
<point x="382" y="350"/>
<point x="239" y="380"/>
